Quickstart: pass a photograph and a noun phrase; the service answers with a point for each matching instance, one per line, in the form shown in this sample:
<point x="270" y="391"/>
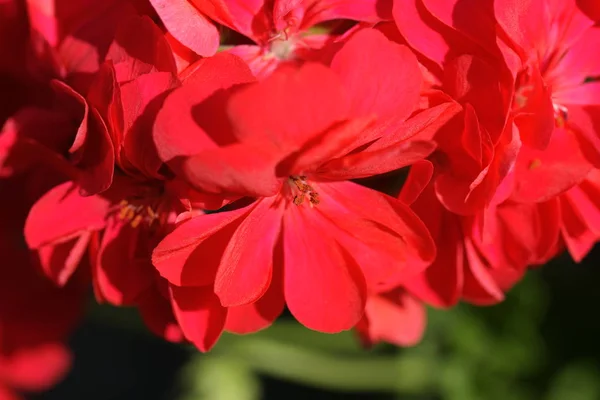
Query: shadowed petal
<point x="199" y="315"/>
<point x="246" y="267"/>
<point x="190" y="255"/>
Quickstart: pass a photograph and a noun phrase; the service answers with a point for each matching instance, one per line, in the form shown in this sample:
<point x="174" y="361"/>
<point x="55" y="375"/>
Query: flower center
<point x="135" y="213"/>
<point x="561" y="115"/>
<point x="282" y="45"/>
<point x="527" y="87"/>
<point x="302" y="191"/>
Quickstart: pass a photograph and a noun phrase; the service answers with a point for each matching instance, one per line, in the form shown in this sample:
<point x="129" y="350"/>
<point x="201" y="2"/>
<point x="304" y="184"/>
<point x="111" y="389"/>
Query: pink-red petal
<point x="190" y="255"/>
<point x="246" y="267"/>
<point x="394" y="80"/>
<point x="199" y="315"/>
<point x="324" y="288"/>
<point x="188" y="25"/>
<point x="266" y="114"/>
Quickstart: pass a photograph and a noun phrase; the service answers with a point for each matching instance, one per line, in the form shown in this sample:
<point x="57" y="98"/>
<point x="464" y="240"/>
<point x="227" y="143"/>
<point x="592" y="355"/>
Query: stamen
<point x="301" y="189"/>
<point x="276" y="37"/>
<point x="522" y="95"/>
<point x="298" y="199"/>
<point x="535" y="163"/>
<point x="314" y="198"/>
<point x="135" y="215"/>
<point x="561" y="115"/>
<point x="136" y="221"/>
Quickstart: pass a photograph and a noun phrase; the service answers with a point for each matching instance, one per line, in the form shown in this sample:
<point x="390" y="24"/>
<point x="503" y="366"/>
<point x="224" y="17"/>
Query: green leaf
<point x="578" y="381"/>
<point x="219" y="378"/>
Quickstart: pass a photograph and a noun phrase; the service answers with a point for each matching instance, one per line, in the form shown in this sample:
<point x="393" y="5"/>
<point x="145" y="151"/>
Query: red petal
<point x="324" y="10"/>
<point x="86" y="47"/>
<point x="22" y="147"/>
<point x="261" y="314"/>
<point x="394" y="75"/>
<point x="140" y="48"/>
<point x="541" y="175"/>
<point x="179" y="113"/>
<point x="441" y="284"/>
<point x="158" y="316"/>
<point x="141" y="100"/>
<point x="394" y="317"/>
<point x="383" y="224"/>
<point x="514" y="16"/>
<point x="515" y="235"/>
<point x="207" y="74"/>
<point x="63" y="213"/>
<point x="474" y="183"/>
<point x="157" y="313"/>
<point x="184" y="57"/>
<point x="123" y="272"/>
<point x="428" y="36"/>
<point x="575" y="66"/>
<point x="236" y="169"/>
<point x="336" y="141"/>
<point x="35" y="368"/>
<point x="105" y="96"/>
<point x="288" y="108"/>
<point x="395" y="149"/>
<point x="591" y="8"/>
<point x="581" y="95"/>
<point x="199" y="314"/>
<point x="423" y="125"/>
<point x="324" y="288"/>
<point x="57" y="18"/>
<point x="472" y="18"/>
<point x="370" y="163"/>
<point x="14" y="24"/>
<point x="580" y="217"/>
<point x="584" y="121"/>
<point x="92" y="150"/>
<point x="60" y="261"/>
<point x="485" y="87"/>
<point x="535" y="119"/>
<point x="479" y="288"/>
<point x="418" y="179"/>
<point x="190" y="255"/>
<point x="249" y="17"/>
<point x="188" y="25"/>
<point x="246" y="267"/>
<point x="7" y="393"/>
<point x="572" y="19"/>
<point x="254" y="56"/>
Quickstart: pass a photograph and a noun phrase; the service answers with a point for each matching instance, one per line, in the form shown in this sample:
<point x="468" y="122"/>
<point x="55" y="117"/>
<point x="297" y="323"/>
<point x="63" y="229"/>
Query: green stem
<point x="294" y="363"/>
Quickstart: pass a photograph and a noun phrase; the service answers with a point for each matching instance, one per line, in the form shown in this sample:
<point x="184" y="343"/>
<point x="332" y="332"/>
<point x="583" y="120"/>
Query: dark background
<point x="541" y="343"/>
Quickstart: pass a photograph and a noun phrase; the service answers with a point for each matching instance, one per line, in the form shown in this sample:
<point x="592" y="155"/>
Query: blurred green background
<point x="541" y="343"/>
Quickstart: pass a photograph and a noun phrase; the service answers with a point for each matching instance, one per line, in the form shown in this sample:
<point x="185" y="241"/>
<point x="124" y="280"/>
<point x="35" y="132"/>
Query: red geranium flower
<point x="293" y="141"/>
<point x="478" y="148"/>
<point x="394" y="316"/>
<point x="36" y="317"/>
<point x="556" y="66"/>
<point x="120" y="226"/>
<point x="278" y="29"/>
<point x="61" y="49"/>
<point x="580" y="216"/>
<point x="482" y="256"/>
<point x="536" y="86"/>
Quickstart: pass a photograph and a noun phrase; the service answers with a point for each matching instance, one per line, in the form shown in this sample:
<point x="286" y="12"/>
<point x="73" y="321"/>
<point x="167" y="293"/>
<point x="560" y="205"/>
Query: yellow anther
<point x="535" y="163"/>
<point x="136" y="221"/>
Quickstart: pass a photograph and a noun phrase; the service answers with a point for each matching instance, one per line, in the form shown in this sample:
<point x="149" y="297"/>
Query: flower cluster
<point x="214" y="162"/>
